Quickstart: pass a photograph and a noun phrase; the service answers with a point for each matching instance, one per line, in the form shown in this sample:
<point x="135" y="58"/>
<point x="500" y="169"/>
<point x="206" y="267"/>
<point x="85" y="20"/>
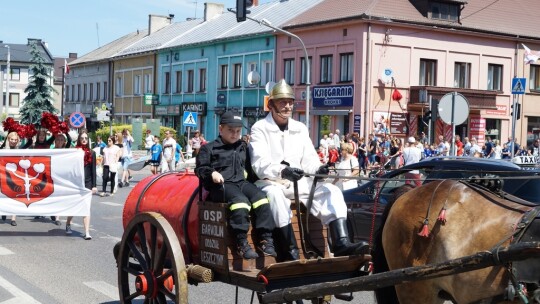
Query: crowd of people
<point x="353" y="155"/>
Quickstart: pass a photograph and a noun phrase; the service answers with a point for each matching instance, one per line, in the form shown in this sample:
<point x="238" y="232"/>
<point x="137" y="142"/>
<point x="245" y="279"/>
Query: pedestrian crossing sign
<point x="190" y="119"/>
<point x="518" y="85"/>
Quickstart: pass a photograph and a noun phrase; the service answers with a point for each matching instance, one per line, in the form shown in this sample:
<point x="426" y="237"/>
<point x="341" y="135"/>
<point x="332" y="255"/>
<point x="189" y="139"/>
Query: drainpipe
<point x="367" y="93"/>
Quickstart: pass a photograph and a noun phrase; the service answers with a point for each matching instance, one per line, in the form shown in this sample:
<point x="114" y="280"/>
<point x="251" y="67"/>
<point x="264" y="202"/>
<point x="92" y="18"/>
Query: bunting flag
<point x="43" y="182"/>
<point x="66" y="67"/>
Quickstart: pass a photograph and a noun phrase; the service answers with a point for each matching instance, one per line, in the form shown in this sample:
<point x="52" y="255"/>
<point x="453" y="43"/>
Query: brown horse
<point x="475" y="220"/>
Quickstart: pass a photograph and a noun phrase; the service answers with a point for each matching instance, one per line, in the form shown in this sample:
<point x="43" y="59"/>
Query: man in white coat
<point x="281" y="151"/>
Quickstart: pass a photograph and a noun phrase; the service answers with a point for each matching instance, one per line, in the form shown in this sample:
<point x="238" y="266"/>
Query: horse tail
<point x="385" y="295"/>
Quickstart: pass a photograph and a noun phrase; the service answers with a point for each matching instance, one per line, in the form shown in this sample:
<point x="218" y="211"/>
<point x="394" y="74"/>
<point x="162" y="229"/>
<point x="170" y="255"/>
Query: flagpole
<point x="63" y="97"/>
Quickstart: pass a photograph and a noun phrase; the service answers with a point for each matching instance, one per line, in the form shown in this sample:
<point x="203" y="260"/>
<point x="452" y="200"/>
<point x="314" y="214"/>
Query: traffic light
<point x="110" y="108"/>
<point x="518" y="111"/>
<point x="427" y="117"/>
<point x="241" y="9"/>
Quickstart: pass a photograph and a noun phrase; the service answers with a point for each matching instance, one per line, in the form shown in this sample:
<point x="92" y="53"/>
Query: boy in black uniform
<point x="220" y="166"/>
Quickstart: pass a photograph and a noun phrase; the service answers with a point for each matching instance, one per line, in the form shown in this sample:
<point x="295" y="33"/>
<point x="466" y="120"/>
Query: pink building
<point x="361" y="52"/>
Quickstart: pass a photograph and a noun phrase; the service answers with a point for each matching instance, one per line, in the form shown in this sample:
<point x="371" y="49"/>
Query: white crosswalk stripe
<point x="19" y="296"/>
<point x="5" y="251"/>
<point x="104" y="288"/>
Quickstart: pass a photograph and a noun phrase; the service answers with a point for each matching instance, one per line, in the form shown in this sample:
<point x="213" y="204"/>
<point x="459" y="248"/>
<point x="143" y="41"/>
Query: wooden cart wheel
<point x="153" y="270"/>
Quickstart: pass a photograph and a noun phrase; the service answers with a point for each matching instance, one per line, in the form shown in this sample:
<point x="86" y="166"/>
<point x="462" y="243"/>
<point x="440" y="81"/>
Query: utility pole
<point x="8" y="75"/>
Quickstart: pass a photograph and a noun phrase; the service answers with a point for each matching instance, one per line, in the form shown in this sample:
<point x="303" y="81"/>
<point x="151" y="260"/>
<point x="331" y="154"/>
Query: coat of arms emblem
<point x="26" y="179"/>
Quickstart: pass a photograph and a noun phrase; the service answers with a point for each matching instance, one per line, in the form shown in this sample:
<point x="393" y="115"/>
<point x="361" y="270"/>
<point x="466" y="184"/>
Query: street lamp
<point x="8" y="70"/>
<point x="308" y="68"/>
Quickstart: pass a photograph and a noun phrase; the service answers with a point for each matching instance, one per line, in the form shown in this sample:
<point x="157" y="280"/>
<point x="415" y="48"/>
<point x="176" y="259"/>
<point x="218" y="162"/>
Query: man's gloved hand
<point x="292" y="174"/>
<point x="323" y="170"/>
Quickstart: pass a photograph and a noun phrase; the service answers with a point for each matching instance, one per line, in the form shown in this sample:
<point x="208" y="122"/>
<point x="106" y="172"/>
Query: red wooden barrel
<point x="169" y="194"/>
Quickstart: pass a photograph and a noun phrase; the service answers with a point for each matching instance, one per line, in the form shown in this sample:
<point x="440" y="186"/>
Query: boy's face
<point x="229" y="134"/>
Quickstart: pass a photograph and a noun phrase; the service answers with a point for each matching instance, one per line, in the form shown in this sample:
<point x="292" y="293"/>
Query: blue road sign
<point x="77" y="120"/>
<point x="518" y="85"/>
<point x="190" y="119"/>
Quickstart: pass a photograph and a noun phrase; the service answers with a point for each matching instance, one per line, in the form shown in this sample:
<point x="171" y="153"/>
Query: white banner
<point x="43" y="182"/>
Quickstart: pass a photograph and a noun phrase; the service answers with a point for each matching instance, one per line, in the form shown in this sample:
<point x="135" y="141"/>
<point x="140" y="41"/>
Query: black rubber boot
<point x="266" y="244"/>
<point x="341" y="246"/>
<point x="244" y="249"/>
<point x="290" y="241"/>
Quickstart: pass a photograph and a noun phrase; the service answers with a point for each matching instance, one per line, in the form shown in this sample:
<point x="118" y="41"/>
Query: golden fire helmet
<point x="281" y="90"/>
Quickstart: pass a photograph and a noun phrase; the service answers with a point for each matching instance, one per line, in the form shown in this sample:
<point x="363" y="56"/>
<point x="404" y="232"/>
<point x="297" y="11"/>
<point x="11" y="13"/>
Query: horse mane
<point x="385" y="295"/>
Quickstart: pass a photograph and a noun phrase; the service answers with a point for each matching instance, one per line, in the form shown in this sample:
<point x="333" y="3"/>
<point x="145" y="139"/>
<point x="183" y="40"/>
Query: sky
<point x="76" y="26"/>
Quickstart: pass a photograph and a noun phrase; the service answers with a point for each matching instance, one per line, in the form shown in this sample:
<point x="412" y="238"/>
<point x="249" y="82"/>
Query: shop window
<point x="493" y="127"/>
<point x="533" y="129"/>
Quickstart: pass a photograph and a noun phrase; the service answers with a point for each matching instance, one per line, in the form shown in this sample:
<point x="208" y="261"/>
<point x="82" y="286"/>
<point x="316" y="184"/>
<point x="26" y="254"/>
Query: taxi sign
<point x="525" y="160"/>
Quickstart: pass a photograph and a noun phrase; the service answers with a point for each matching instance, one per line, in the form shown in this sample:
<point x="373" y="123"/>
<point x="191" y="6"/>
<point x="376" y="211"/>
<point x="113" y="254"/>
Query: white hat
<point x="411" y="140"/>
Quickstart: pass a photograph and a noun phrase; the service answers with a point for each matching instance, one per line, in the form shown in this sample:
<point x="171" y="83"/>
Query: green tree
<point x="39" y="91"/>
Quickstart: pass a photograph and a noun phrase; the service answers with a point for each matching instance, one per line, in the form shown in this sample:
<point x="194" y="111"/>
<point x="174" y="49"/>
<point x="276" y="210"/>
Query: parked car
<point x="362" y="203"/>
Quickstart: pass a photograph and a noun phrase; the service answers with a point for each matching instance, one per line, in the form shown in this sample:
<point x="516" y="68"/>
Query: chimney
<point x="255" y="2"/>
<point x="157" y="22"/>
<point x="212" y="10"/>
<point x="34" y="40"/>
<point x="73" y="55"/>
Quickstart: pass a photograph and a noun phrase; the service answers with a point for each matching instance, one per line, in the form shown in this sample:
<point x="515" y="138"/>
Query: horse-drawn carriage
<point x="173" y="238"/>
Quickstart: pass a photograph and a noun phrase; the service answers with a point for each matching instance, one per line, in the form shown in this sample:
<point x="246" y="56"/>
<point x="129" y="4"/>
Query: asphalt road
<point x="40" y="264"/>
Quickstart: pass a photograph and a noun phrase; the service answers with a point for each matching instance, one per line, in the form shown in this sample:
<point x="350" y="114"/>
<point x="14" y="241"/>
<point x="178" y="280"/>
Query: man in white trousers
<point x="281" y="151"/>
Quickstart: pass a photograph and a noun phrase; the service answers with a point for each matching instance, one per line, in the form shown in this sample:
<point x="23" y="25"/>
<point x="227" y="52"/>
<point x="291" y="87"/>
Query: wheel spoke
<point x="132" y="296"/>
<point x="138" y="256"/>
<point x="153" y="240"/>
<point x="167" y="293"/>
<point x="144" y="246"/>
<point x="131" y="270"/>
<point x="159" y="259"/>
<point x="160" y="299"/>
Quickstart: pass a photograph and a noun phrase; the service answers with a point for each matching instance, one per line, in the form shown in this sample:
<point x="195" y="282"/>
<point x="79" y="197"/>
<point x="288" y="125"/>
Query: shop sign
<point x="501" y="110"/>
<point x="333" y="96"/>
<point x="477" y="127"/>
<point x="255" y="112"/>
<point x="398" y="123"/>
<point x="168" y="110"/>
<point x="199" y="107"/>
<point x="151" y="99"/>
<point x="356" y="126"/>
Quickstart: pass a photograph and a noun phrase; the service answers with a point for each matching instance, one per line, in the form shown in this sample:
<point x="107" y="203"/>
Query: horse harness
<point x="515" y="287"/>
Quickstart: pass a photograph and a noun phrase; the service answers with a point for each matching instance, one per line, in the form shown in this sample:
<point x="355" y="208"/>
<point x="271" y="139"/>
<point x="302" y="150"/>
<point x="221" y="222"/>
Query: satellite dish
<point x="253" y="77"/>
<point x="269" y="86"/>
<point x="387" y="75"/>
